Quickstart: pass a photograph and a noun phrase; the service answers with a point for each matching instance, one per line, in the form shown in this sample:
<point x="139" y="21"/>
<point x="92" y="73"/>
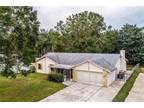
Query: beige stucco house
<point x="90" y="68"/>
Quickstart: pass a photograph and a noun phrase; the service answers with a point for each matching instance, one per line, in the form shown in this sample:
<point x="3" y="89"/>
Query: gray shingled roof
<point x="107" y="61"/>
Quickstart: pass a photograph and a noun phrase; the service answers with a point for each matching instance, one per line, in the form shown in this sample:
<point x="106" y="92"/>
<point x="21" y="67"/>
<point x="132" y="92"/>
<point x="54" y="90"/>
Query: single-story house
<point x="91" y="68"/>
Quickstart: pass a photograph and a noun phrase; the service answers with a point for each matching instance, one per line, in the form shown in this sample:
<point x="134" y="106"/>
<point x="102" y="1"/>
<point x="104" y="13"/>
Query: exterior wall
<point x="88" y="67"/>
<point x="45" y="62"/>
<point x="82" y="67"/>
<point x="48" y="63"/>
<point x="74" y="75"/>
<point x="111" y="77"/>
<point x="42" y="62"/>
<point x="94" y="68"/>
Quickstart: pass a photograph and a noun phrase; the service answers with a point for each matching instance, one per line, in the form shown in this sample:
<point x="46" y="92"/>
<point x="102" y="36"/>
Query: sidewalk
<point x="137" y="92"/>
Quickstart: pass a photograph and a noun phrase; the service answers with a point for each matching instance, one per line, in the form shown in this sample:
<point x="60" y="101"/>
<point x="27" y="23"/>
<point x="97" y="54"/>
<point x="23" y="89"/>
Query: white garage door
<point x="89" y="77"/>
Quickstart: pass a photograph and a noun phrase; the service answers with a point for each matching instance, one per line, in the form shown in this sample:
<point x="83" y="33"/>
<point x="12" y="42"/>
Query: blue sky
<point x="115" y="16"/>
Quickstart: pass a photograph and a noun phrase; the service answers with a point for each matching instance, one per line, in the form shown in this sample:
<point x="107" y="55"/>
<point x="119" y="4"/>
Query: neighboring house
<point x="90" y="68"/>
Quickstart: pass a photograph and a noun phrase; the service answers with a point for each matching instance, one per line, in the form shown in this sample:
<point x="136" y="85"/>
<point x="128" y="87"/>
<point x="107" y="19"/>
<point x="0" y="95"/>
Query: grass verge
<point x="124" y="92"/>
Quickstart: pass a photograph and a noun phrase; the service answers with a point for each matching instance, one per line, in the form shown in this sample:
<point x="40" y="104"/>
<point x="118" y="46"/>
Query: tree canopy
<point x="18" y="35"/>
<point x="82" y="32"/>
<point x="131" y="39"/>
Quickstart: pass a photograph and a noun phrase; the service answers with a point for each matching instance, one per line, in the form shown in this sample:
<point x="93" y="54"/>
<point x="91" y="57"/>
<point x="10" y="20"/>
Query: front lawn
<point x="34" y="87"/>
<point x="124" y="92"/>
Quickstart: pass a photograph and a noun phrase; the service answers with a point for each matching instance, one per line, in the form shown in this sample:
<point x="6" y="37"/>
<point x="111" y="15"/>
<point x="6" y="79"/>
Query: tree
<point x="131" y="39"/>
<point x="57" y="41"/>
<point x="43" y="43"/>
<point x="109" y="40"/>
<point x="6" y="40"/>
<point x="83" y="32"/>
<point x="18" y="35"/>
<point x="26" y="29"/>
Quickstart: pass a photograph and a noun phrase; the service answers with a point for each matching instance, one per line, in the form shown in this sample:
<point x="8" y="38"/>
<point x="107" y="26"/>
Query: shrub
<point x="56" y="77"/>
<point x="24" y="73"/>
<point x="9" y="73"/>
<point x="32" y="69"/>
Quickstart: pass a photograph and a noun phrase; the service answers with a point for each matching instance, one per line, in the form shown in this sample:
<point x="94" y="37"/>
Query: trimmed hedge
<point x="56" y="77"/>
<point x="124" y="92"/>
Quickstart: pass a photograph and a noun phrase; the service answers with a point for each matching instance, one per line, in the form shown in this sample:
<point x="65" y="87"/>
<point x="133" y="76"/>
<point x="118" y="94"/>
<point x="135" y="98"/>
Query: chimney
<point x="122" y="61"/>
<point x="122" y="53"/>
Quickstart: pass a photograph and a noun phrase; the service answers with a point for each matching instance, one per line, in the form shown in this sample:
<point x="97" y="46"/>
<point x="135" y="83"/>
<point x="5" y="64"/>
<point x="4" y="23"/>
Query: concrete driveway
<point x="85" y="93"/>
<point x="137" y="92"/>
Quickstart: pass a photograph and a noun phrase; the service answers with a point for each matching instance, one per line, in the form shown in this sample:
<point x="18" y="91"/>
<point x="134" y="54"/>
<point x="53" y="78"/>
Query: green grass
<point x="124" y="92"/>
<point x="32" y="88"/>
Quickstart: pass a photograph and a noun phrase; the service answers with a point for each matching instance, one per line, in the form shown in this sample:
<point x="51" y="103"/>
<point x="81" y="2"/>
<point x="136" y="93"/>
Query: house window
<point x="39" y="66"/>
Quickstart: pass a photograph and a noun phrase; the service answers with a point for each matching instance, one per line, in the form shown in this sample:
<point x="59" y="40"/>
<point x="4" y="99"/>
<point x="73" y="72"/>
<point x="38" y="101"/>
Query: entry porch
<point x="66" y="70"/>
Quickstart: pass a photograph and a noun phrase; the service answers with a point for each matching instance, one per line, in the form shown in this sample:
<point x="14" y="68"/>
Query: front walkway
<point x="85" y="93"/>
<point x="137" y="92"/>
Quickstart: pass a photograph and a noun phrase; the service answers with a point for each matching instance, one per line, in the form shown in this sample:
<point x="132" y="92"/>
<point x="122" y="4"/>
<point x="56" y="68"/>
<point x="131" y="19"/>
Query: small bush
<point x="56" y="77"/>
<point x="24" y="73"/>
<point x="32" y="69"/>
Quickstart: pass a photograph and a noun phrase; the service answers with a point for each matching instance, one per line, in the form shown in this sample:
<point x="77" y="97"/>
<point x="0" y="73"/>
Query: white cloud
<point x="115" y="16"/>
